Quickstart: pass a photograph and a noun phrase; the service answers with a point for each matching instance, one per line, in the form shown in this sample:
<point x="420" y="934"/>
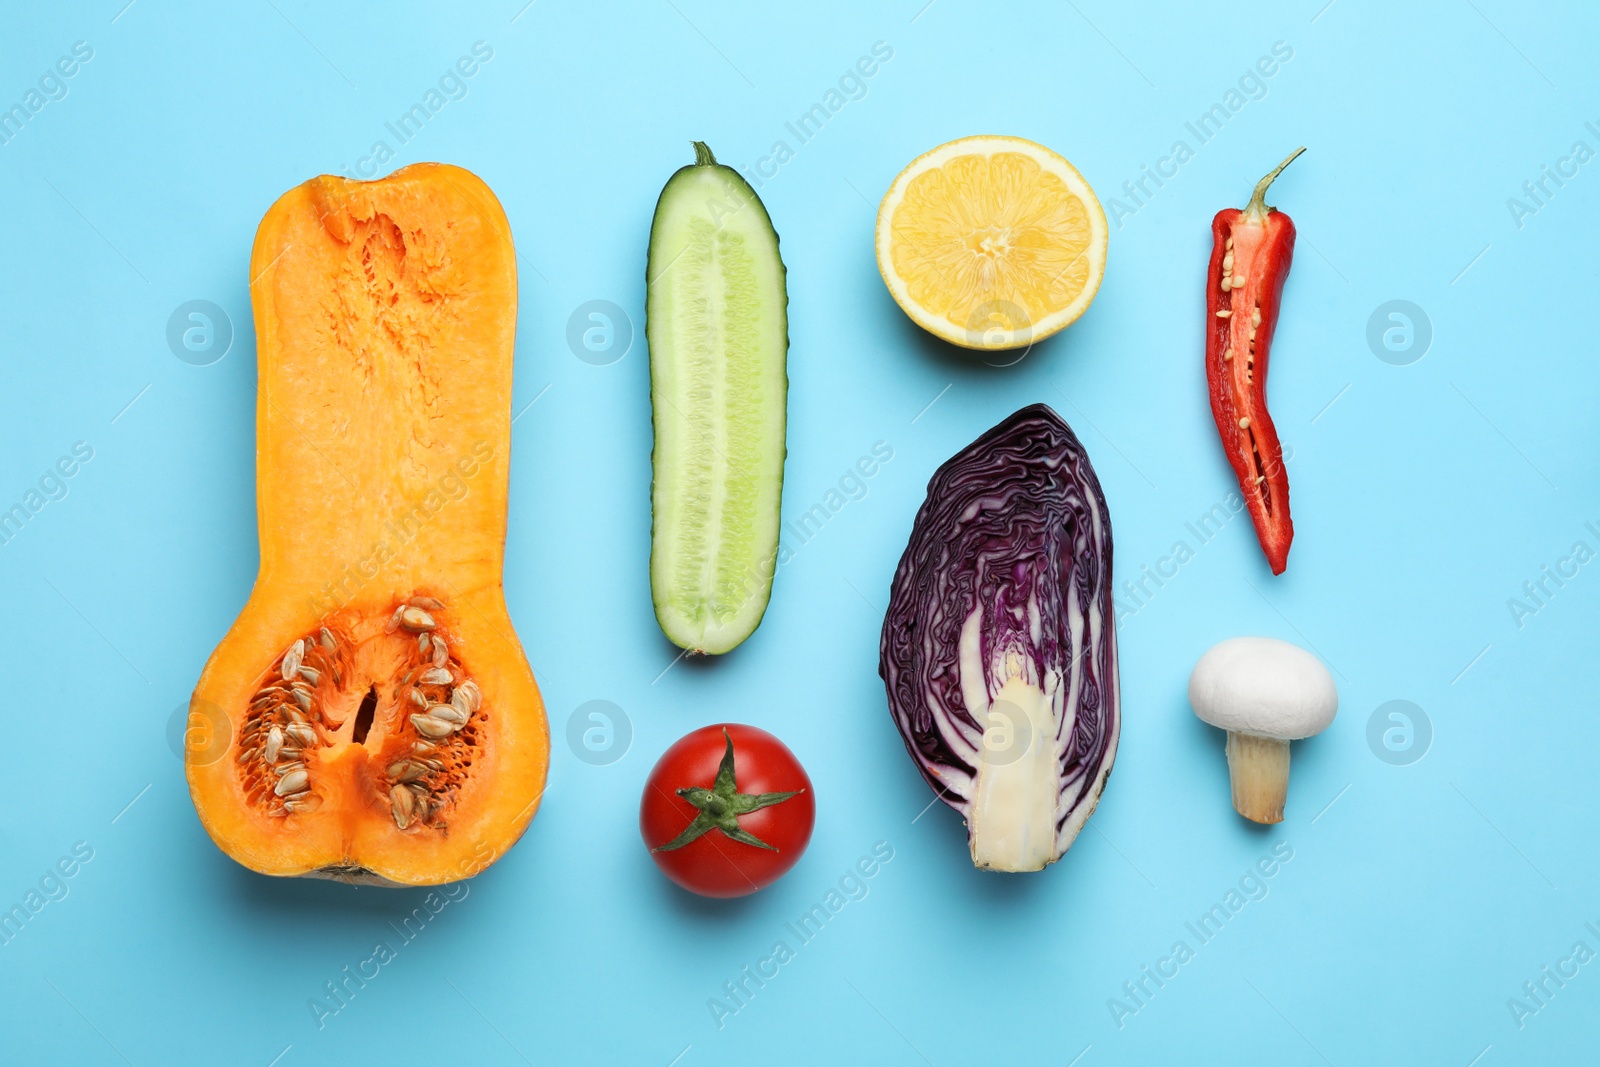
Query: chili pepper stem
<point x="1257" y="209"/>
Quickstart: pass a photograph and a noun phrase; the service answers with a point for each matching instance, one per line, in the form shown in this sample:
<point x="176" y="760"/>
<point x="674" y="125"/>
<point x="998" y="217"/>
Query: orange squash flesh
<point x="385" y="314"/>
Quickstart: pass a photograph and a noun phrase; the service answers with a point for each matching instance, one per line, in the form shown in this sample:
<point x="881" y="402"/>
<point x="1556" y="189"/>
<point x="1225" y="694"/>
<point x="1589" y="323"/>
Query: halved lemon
<point x="991" y="242"/>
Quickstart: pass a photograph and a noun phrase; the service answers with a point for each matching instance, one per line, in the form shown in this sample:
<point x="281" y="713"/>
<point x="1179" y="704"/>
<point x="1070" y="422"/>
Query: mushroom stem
<point x="1258" y="767"/>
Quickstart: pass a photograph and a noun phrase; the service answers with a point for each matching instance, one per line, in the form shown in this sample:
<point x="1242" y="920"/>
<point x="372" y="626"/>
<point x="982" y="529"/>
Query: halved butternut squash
<point x="371" y="715"/>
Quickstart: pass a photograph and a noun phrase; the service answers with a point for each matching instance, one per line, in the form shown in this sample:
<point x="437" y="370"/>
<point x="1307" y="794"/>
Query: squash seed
<point x="311" y="674"/>
<point x="401" y="805"/>
<point x="441" y="652"/>
<point x="327" y="640"/>
<point x="422" y="643"/>
<point x="418" y="699"/>
<point x="436" y="676"/>
<point x="302" y="802"/>
<point x="406" y="771"/>
<point x="415" y="619"/>
<point x="291" y="659"/>
<point x="302" y="732"/>
<point x="428" y="726"/>
<point x="274" y="745"/>
<point x="449" y="713"/>
<point x="293" y="782"/>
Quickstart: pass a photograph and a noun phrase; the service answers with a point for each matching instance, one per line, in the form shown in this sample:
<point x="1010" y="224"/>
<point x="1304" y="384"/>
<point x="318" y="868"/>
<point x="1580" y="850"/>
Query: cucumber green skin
<point x="692" y="616"/>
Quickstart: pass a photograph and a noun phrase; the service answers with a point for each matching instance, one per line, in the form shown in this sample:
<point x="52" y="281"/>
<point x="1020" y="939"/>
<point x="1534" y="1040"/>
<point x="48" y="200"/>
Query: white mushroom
<point x="1265" y="693"/>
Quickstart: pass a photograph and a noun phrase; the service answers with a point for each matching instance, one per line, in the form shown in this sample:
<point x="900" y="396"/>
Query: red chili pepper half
<point x="1250" y="255"/>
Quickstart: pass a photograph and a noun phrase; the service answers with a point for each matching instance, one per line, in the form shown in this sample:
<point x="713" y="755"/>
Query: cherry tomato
<point x="727" y="811"/>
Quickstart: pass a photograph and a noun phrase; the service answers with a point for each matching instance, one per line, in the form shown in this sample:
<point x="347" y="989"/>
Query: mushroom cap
<point x="1263" y="686"/>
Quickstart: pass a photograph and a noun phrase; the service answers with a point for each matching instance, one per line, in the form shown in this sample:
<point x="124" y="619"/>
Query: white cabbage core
<point x="1011" y="824"/>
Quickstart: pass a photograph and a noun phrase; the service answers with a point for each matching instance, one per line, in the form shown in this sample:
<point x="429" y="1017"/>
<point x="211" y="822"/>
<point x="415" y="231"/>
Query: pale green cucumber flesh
<point x="717" y="327"/>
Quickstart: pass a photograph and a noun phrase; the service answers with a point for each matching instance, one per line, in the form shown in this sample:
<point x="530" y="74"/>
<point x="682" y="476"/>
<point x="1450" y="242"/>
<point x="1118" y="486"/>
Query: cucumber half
<point x="716" y="320"/>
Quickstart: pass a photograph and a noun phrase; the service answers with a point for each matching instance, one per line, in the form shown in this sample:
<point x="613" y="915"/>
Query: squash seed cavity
<point x="397" y="688"/>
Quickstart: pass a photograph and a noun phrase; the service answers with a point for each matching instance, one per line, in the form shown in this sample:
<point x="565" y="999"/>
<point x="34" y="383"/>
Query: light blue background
<point x="1419" y="899"/>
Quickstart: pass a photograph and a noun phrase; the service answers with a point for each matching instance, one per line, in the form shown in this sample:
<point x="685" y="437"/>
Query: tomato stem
<point x="722" y="804"/>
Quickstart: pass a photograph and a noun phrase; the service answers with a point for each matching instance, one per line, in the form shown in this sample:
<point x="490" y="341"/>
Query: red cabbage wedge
<point x="999" y="649"/>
